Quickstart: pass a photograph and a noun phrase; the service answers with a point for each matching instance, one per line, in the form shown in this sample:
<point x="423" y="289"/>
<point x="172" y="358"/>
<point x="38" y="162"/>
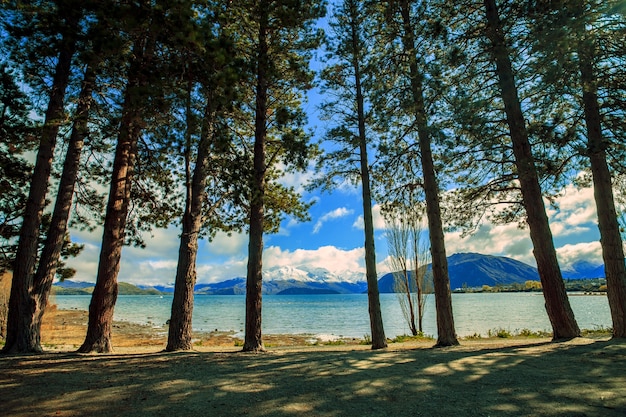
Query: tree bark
<point x="253" y="341"/>
<point x="446" y="334"/>
<point x="22" y="300"/>
<point x="51" y="252"/>
<point x="180" y="327"/>
<point x="376" y="320"/>
<point x="561" y="316"/>
<point x="98" y="337"/>
<point x="610" y="237"/>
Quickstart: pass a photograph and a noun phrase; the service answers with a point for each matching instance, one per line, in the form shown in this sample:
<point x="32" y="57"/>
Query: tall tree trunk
<point x="254" y="283"/>
<point x="446" y="334"/>
<point x="561" y="316"/>
<point x="376" y="319"/>
<point x="19" y="337"/>
<point x="98" y="337"/>
<point x="51" y="252"/>
<point x="180" y="328"/>
<point x="610" y="237"/>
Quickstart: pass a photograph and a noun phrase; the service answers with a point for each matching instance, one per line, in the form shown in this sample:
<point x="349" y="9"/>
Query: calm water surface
<point x="347" y="315"/>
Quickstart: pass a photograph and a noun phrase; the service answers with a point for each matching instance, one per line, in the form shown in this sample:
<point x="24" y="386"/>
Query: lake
<point x="346" y="315"/>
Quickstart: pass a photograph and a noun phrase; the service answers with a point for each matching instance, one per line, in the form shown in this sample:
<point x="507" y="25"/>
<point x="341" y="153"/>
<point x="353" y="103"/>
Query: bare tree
<point x="420" y="248"/>
<point x="397" y="233"/>
<point x="408" y="257"/>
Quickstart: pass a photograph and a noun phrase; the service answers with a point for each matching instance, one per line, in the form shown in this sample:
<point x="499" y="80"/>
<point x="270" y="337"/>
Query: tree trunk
<point x="254" y="283"/>
<point x="98" y="338"/>
<point x="610" y="237"/>
<point x="21" y="303"/>
<point x="376" y="319"/>
<point x="51" y="252"/>
<point x="379" y="340"/>
<point x="446" y="334"/>
<point x="180" y="327"/>
<point x="561" y="316"/>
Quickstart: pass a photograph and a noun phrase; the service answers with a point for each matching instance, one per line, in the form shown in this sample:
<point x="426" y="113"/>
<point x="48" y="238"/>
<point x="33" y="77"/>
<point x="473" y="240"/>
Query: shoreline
<point x="64" y="330"/>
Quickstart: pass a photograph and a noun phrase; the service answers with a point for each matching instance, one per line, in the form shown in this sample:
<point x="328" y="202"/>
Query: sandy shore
<point x="484" y="377"/>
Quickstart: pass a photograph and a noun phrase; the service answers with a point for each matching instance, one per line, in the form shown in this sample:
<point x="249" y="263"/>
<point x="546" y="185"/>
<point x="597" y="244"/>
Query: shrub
<point x="367" y="340"/>
<point x="501" y="333"/>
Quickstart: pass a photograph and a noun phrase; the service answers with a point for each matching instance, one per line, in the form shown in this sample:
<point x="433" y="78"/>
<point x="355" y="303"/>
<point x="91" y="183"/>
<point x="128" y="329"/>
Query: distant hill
<point x="476" y="270"/>
<point x="282" y="286"/>
<point x="466" y="270"/>
<point x="69" y="287"/>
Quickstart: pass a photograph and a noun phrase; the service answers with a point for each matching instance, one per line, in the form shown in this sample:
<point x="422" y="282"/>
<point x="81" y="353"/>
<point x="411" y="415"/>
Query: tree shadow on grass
<point x="577" y="378"/>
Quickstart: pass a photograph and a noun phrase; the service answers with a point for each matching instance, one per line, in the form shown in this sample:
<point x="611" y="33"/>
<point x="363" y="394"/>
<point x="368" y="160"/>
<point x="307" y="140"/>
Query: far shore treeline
<point x="191" y="115"/>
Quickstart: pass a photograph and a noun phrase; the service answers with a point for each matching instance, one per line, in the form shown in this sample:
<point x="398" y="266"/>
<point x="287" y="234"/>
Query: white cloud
<point x="329" y="257"/>
<point x="503" y="240"/>
<point x="298" y="179"/>
<point x="225" y="244"/>
<point x="570" y="253"/>
<point x="377" y="217"/>
<point x="331" y="215"/>
<point x="574" y="219"/>
<point x="216" y="272"/>
<point x="576" y="212"/>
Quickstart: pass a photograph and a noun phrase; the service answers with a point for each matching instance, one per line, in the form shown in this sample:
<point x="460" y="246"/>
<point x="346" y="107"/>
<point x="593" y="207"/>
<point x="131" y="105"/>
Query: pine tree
<point x="132" y="123"/>
<point x="210" y="67"/>
<point x="586" y="46"/>
<point x="561" y="316"/>
<point x="346" y="81"/>
<point x="16" y="137"/>
<point x="401" y="14"/>
<point x="280" y="42"/>
<point x="20" y="305"/>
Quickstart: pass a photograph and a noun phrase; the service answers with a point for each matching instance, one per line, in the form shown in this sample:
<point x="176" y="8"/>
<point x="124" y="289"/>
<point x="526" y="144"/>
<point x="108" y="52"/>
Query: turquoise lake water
<point x="347" y="315"/>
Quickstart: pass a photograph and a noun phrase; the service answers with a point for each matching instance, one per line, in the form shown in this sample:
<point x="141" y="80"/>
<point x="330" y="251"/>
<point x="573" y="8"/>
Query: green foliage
<point x="337" y="342"/>
<point x="597" y="331"/>
<point x="409" y="338"/>
<point x="17" y="136"/>
<point x="507" y="334"/>
<point x="500" y="332"/>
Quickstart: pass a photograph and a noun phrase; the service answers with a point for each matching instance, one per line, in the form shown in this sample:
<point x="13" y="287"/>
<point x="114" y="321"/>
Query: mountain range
<point x="465" y="270"/>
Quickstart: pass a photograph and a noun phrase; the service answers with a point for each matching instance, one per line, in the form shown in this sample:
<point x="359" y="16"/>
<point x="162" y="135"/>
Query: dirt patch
<point x="494" y="377"/>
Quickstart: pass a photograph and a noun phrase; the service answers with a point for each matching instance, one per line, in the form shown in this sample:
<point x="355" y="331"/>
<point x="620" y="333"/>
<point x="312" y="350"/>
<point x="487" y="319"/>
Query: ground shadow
<point x="557" y="379"/>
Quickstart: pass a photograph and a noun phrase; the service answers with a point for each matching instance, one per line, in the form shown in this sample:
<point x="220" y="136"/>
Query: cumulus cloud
<point x="154" y="263"/>
<point x="377" y="217"/>
<point x="576" y="213"/>
<point x="297" y="179"/>
<point x="570" y="253"/>
<point x="574" y="218"/>
<point x="225" y="244"/>
<point x="329" y="257"/>
<point x="331" y="215"/>
<point x="504" y="240"/>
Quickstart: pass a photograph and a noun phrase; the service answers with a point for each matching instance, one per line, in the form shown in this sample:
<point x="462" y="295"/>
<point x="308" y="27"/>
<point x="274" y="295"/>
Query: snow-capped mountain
<point x="465" y="269"/>
<point x="583" y="270"/>
<point x="306" y="274"/>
